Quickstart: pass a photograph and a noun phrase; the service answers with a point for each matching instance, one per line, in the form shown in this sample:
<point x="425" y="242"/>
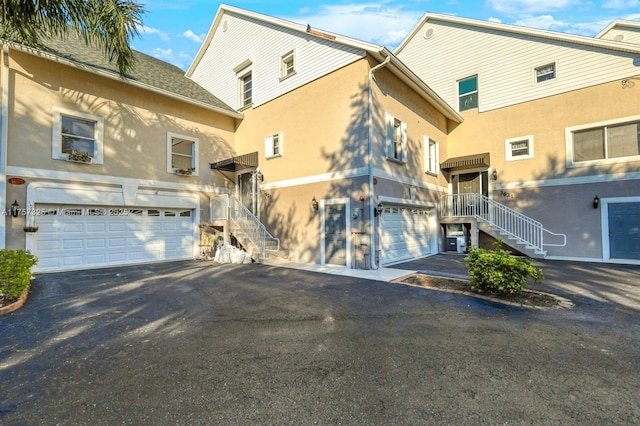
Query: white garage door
<point x="83" y="237"/>
<point x="404" y="234"/>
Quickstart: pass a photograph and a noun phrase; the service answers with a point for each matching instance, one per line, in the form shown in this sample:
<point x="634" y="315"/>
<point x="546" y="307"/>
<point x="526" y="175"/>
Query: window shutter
<point x="427" y="154"/>
<point x="403" y="131"/>
<point x="389" y="135"/>
<point x="268" y="146"/>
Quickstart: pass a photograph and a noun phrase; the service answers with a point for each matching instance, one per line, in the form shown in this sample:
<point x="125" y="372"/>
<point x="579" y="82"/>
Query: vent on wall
<point x="618" y="37"/>
<point x="428" y="34"/>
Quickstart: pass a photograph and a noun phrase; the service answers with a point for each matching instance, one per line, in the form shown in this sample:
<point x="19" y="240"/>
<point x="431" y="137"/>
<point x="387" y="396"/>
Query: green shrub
<point x="15" y="273"/>
<point x="497" y="271"/>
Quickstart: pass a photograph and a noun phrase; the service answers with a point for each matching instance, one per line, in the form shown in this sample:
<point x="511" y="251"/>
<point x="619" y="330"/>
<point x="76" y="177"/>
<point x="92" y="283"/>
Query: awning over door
<point x="466" y="162"/>
<point x="238" y="163"/>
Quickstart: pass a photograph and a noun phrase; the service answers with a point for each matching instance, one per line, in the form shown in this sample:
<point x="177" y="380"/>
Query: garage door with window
<point x="77" y="237"/>
<point x="404" y="234"/>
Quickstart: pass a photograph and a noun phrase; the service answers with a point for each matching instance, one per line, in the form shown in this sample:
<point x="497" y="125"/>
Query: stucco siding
<point x="136" y="124"/>
<point x="240" y="39"/>
<point x="505" y="64"/>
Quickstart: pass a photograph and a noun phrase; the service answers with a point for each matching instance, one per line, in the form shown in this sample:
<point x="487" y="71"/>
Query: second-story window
<point x="468" y="93"/>
<point x="396" y="140"/>
<point x="273" y="145"/>
<point x="77" y="136"/>
<point x="182" y="155"/>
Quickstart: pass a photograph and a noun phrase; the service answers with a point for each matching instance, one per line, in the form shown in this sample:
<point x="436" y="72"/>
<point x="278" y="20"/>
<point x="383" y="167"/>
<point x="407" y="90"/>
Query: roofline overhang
<point x="516" y="29"/>
<point x="618" y="23"/>
<point x="294" y="26"/>
<point x="114" y="76"/>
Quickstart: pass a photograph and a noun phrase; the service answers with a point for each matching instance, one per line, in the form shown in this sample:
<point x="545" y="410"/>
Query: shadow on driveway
<point x="192" y="342"/>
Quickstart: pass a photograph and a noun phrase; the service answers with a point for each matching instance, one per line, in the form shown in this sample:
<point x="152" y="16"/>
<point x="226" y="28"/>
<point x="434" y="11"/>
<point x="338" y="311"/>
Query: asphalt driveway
<point x="201" y="343"/>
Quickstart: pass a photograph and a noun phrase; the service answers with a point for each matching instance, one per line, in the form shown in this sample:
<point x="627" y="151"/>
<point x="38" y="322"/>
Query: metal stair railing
<point x="505" y="219"/>
<point x="251" y="226"/>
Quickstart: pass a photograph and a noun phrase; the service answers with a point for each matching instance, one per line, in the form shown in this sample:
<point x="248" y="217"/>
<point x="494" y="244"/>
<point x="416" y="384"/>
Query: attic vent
<point x="618" y="37"/>
<point x="428" y="34"/>
<point x="225" y="25"/>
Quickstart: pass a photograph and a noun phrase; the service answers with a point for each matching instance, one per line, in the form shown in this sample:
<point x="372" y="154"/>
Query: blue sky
<point x="174" y="29"/>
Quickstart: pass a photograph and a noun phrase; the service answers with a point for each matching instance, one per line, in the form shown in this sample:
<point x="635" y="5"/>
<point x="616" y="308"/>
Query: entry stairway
<point x="515" y="229"/>
<point x="251" y="233"/>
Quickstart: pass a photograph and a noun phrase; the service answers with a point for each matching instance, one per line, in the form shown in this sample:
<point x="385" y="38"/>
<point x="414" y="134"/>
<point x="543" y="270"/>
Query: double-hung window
<point x="182" y="154"/>
<point x="396" y="139"/>
<point x="77" y="134"/>
<point x="245" y="83"/>
<point x="468" y="93"/>
<point x="431" y="156"/>
<point x="604" y="142"/>
<point x="519" y="148"/>
<point x="273" y="146"/>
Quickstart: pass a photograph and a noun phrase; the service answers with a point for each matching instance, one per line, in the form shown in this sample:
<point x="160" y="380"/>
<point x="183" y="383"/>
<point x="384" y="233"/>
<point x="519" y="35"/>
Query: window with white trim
<point x="287" y="65"/>
<point x="545" y="72"/>
<point x="77" y="134"/>
<point x="468" y="93"/>
<point x="182" y="155"/>
<point x="607" y="142"/>
<point x="396" y="139"/>
<point x="273" y="146"/>
<point x="246" y="90"/>
<point x="519" y="148"/>
<point x="431" y="156"/>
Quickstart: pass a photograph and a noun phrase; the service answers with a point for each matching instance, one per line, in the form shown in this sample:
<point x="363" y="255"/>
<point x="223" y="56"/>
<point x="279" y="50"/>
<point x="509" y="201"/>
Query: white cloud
<point x="495" y="20"/>
<point x="373" y="22"/>
<point x="621" y="4"/>
<point x="163" y="54"/>
<point x="544" y="22"/>
<point x="190" y="35"/>
<point x="529" y="6"/>
<point x="154" y="31"/>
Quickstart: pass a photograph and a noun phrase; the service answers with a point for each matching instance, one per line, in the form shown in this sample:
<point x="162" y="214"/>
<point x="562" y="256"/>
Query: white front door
<point x="81" y="237"/>
<point x="404" y="234"/>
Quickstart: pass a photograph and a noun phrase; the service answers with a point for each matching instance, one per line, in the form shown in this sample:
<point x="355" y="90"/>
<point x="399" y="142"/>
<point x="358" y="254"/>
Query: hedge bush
<point x="497" y="271"/>
<point x="15" y="274"/>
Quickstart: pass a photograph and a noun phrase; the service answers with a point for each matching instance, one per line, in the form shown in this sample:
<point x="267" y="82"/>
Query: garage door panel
<point x="86" y="238"/>
<point x="404" y="234"/>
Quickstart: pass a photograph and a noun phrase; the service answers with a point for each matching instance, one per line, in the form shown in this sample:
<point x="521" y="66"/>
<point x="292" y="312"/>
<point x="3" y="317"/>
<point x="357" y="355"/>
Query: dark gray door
<point x="335" y="234"/>
<point x="624" y="230"/>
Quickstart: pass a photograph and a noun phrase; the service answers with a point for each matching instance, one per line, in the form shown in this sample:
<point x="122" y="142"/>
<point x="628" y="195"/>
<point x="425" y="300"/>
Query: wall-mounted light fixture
<point x="259" y="176"/>
<point x="378" y="210"/>
<point x="494" y="175"/>
<point x="596" y="202"/>
<point x="314" y="204"/>
<point x="14" y="208"/>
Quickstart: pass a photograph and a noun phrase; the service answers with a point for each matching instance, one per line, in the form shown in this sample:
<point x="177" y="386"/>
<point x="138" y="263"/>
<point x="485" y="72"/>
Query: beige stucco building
<point x="307" y="146"/>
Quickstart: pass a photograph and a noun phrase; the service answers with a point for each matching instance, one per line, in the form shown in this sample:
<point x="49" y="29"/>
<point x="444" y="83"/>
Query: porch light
<point x="596" y="202"/>
<point x="314" y="203"/>
<point x="379" y="209"/>
<point x="14" y="208"/>
<point x="494" y="175"/>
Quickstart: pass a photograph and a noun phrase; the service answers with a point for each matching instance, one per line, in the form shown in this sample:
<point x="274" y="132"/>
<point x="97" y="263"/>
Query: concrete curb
<point x="563" y="303"/>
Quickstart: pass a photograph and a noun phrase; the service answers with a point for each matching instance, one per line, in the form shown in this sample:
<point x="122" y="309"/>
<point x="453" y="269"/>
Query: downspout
<point x="4" y="139"/>
<point x="372" y="204"/>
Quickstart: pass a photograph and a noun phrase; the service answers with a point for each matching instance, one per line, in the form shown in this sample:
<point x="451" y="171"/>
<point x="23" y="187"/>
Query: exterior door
<point x="246" y="192"/>
<point x="471" y="183"/>
<point x="335" y="234"/>
<point x="624" y="230"/>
